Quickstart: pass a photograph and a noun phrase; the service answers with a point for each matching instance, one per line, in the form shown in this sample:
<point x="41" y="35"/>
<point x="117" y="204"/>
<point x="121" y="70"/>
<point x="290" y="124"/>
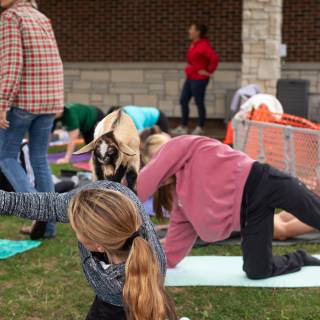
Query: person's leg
<point x="39" y="134"/>
<point x="198" y="88"/>
<point x="292" y="195"/>
<point x="163" y="123"/>
<point x="261" y="197"/>
<point x="10" y="144"/>
<point x="185" y="98"/>
<point x="286" y="229"/>
<point x="101" y="310"/>
<point x="89" y="135"/>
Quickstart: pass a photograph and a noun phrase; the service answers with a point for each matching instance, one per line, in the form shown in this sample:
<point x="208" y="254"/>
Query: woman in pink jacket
<point x="216" y="190"/>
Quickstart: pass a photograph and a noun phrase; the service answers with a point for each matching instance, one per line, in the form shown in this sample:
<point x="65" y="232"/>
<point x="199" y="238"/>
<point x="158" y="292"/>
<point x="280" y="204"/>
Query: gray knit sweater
<point x="106" y="282"/>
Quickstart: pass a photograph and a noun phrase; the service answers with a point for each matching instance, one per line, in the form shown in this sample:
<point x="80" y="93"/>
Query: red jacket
<point x="200" y="56"/>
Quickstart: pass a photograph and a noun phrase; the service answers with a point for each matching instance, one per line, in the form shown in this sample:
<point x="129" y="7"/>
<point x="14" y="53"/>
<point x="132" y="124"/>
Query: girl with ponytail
<point x="120" y="252"/>
<point x="110" y="223"/>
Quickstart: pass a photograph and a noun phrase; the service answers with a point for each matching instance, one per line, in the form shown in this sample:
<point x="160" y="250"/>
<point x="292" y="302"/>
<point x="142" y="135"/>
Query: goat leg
<point x="131" y="177"/>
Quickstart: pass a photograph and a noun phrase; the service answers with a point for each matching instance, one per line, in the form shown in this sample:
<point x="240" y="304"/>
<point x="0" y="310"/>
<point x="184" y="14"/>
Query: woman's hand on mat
<point x="4" y="123"/>
<point x="162" y="241"/>
<point x="63" y="160"/>
<point x="204" y="73"/>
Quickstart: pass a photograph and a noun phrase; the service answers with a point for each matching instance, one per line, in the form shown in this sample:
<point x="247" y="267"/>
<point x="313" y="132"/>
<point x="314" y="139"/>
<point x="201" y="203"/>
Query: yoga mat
<point x="223" y="271"/>
<point x="9" y="248"/>
<point x="82" y="166"/>
<point x="312" y="237"/>
<point x="53" y="157"/>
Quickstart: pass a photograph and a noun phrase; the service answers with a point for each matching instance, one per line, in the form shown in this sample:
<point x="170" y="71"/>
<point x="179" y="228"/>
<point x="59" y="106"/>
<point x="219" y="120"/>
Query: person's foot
<point x="308" y="259"/>
<point x="37" y="231"/>
<point x="26" y="231"/>
<point x="179" y="131"/>
<point x="198" y="131"/>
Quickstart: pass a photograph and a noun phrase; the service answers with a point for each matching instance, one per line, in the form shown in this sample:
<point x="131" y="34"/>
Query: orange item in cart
<point x="263" y="114"/>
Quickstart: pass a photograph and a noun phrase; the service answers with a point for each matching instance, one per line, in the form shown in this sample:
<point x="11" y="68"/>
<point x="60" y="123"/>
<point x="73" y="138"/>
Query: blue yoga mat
<point x="9" y="248"/>
<point x="223" y="271"/>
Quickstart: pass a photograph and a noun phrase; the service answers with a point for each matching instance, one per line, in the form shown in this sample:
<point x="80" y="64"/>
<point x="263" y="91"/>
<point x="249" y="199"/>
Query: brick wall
<point x="139" y="30"/>
<point x="154" y="30"/>
<point x="301" y="30"/>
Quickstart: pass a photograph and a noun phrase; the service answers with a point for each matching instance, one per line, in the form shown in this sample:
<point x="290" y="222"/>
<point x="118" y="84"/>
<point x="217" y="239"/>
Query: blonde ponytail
<point x="144" y="294"/>
<point x="110" y="219"/>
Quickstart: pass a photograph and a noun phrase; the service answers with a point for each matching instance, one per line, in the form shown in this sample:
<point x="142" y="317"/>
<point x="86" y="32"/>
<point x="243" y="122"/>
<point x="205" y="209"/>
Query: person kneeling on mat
<point x="145" y="117"/>
<point x="78" y="119"/>
<point x="213" y="190"/>
<point x="120" y="252"/>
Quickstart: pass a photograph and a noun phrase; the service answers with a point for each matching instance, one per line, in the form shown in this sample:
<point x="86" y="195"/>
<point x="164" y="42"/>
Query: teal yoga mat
<point x="9" y="248"/>
<point x="223" y="271"/>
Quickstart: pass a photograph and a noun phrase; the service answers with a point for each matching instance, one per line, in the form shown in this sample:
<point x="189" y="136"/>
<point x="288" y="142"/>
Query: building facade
<point x="132" y="52"/>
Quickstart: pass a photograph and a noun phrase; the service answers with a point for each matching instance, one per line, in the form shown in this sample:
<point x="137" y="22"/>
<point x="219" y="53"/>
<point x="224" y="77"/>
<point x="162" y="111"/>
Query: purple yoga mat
<point x="53" y="157"/>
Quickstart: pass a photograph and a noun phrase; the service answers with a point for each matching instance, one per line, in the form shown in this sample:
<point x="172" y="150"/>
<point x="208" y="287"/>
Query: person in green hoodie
<point x="78" y="119"/>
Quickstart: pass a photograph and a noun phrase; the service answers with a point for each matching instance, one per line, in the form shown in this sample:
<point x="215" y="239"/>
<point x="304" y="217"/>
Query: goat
<point x="115" y="149"/>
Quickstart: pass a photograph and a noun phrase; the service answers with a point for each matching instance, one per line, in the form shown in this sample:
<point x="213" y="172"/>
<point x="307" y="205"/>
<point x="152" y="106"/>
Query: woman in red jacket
<point x="202" y="62"/>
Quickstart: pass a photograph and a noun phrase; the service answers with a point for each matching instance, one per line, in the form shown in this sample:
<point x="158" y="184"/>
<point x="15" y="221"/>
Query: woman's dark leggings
<point x="163" y="122"/>
<point x="101" y="310"/>
<point x="196" y="89"/>
<point x="267" y="189"/>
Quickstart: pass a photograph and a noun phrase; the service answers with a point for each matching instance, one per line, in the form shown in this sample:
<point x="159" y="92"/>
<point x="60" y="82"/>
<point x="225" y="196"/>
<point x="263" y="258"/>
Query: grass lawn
<point x="47" y="283"/>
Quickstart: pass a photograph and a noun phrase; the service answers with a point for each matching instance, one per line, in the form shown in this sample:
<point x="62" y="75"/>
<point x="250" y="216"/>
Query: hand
<point x="4" y="123"/>
<point x="204" y="73"/>
<point x="63" y="160"/>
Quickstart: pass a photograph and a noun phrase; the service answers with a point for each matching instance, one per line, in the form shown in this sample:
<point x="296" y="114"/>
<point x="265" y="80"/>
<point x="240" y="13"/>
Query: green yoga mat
<point x="9" y="248"/>
<point x="223" y="271"/>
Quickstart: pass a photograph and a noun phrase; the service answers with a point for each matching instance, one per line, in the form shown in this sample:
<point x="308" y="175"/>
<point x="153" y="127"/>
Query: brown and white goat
<point x="115" y="149"/>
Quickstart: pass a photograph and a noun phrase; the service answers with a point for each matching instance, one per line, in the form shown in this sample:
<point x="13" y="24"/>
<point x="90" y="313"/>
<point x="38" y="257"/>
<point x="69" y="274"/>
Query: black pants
<point x="163" y="122"/>
<point x="101" y="310"/>
<point x="196" y="89"/>
<point x="88" y="135"/>
<point x="267" y="189"/>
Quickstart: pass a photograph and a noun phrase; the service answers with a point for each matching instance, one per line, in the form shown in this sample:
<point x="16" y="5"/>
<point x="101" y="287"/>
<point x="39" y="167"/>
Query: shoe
<point x="179" y="131"/>
<point x="198" y="131"/>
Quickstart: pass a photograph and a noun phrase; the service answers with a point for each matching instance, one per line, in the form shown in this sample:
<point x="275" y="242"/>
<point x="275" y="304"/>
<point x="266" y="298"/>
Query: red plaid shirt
<point x="31" y="70"/>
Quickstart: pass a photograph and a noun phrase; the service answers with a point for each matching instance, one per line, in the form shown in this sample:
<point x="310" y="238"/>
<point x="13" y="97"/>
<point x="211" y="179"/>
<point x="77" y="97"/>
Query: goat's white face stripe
<point x="103" y="149"/>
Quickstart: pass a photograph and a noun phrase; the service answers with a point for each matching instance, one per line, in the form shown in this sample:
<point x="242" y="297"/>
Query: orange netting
<point x="287" y="142"/>
<point x="264" y="115"/>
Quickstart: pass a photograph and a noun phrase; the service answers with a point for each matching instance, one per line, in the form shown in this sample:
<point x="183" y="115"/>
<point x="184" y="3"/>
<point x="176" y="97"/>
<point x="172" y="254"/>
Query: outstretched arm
<point x="36" y="206"/>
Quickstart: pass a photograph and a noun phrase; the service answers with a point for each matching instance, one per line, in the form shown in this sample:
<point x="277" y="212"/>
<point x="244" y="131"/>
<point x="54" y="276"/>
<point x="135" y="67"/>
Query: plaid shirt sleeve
<point x="11" y="60"/>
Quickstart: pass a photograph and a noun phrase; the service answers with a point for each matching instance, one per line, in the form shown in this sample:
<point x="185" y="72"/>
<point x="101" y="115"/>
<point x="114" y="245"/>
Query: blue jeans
<point x="196" y="89"/>
<point x="39" y="128"/>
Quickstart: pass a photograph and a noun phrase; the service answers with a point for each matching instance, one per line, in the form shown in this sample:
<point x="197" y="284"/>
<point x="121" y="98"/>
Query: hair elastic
<point x="127" y="245"/>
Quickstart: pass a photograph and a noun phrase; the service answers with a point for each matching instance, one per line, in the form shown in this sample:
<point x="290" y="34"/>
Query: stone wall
<point x="261" y="37"/>
<point x="145" y="84"/>
<point x="159" y="84"/>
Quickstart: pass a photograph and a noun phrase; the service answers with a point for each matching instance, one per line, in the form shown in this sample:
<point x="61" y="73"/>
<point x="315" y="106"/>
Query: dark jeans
<point x="267" y="189"/>
<point x="38" y="127"/>
<point x="163" y="122"/>
<point x="101" y="310"/>
<point x="196" y="89"/>
<point x="88" y="135"/>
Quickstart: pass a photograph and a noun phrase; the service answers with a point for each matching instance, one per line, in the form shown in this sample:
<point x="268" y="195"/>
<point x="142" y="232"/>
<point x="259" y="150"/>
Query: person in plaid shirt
<point x="31" y="93"/>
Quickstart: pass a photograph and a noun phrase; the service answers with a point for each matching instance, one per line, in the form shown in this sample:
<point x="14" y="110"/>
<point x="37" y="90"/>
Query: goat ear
<point x="126" y="150"/>
<point x="87" y="148"/>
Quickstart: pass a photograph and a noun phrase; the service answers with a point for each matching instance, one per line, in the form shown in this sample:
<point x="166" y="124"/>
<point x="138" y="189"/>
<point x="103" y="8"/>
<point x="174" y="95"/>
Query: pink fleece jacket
<point x="210" y="177"/>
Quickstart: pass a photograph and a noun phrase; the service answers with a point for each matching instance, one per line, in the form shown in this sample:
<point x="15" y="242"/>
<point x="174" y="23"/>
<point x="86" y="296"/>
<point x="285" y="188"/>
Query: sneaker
<point x="179" y="131"/>
<point x="198" y="131"/>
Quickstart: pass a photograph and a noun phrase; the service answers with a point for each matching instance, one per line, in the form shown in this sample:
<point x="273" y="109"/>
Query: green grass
<point x="48" y="283"/>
